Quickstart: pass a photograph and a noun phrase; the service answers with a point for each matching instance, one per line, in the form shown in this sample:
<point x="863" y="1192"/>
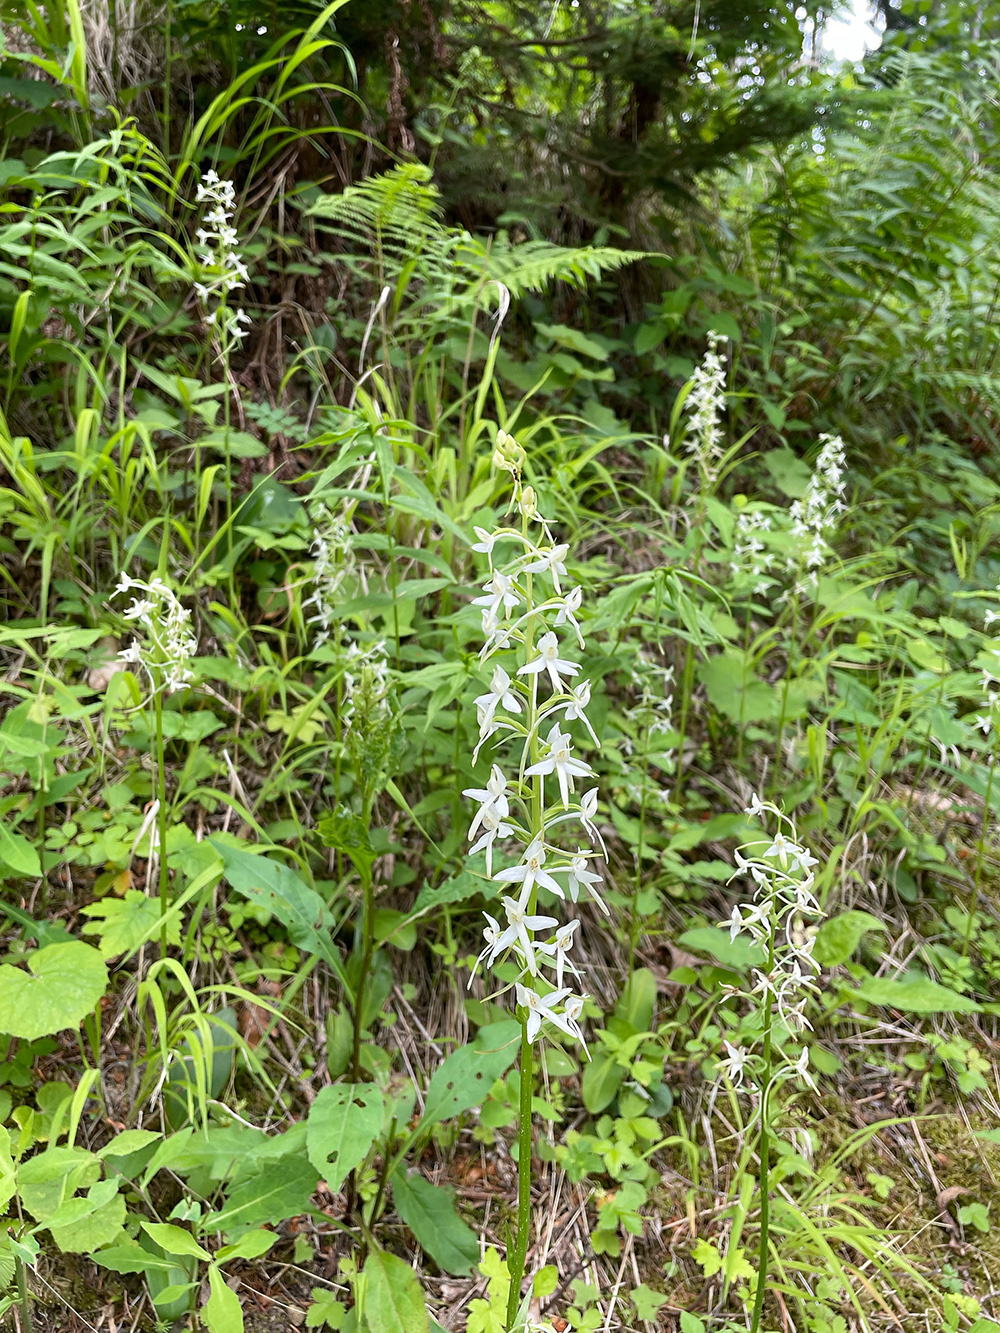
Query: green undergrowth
<point x="255" y="1063"/>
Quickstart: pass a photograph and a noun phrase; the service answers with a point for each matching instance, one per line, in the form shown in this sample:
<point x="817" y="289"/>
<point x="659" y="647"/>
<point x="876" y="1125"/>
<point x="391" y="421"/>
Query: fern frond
<point x="531" y="266"/>
<point x="401" y="207"/>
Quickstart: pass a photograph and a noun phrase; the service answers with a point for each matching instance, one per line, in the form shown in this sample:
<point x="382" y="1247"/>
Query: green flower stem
<point x="519" y="1252"/>
<point x="764" y="1152"/>
<point x="980" y="853"/>
<point x="23" y="1301"/>
<point x="367" y="949"/>
<point x="515" y="1260"/>
<point x="161" y="795"/>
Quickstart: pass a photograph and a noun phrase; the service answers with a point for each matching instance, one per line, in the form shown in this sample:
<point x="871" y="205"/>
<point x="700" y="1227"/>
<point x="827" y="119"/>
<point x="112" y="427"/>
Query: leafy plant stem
<point x="785" y="684"/>
<point x="515" y="1263"/>
<point x="23" y="1303"/>
<point x="367" y="948"/>
<point x="980" y="849"/>
<point x="764" y="1150"/>
<point x="161" y="814"/>
<point x="687" y="684"/>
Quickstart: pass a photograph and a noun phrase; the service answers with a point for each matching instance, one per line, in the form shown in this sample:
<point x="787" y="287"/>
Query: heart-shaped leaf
<point x="64" y="984"/>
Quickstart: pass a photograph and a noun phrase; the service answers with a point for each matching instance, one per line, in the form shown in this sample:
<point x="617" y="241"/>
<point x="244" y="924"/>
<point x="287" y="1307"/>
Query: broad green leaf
<point x="221" y="1312"/>
<point x="7" y="1176"/>
<point x="129" y="1141"/>
<point x="573" y="339"/>
<point x="174" y="1240"/>
<point x="44" y="1181"/>
<point x="839" y="936"/>
<point x="100" y="1227"/>
<point x="74" y="1210"/>
<point x="913" y="994"/>
<point x="457" y="888"/>
<point x="280" y="1191"/>
<point x="638" y="1000"/>
<point x="465" y="1076"/>
<point x="344" y="1121"/>
<point x="430" y="1213"/>
<point x="124" y="924"/>
<point x="273" y="886"/>
<point x="130" y="1258"/>
<point x="65" y="983"/>
<point x="738" y="953"/>
<point x="394" y="1302"/>
<point x="602" y="1077"/>
<point x="343" y="830"/>
<point x="251" y="1246"/>
<point x="17" y="855"/>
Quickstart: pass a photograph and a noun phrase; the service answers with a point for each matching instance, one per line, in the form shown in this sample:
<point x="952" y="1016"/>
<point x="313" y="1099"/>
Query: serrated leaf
<point x="456" y="889"/>
<point x="394" y="1302"/>
<point x="63" y="986"/>
<point x="430" y="1213"/>
<point x="344" y="1121"/>
<point x="124" y="924"/>
<point x="97" y="1228"/>
<point x="464" y="1078"/>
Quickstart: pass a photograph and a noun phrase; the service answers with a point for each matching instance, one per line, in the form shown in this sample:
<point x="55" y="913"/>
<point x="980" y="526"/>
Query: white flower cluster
<point x="334" y="563"/>
<point x="751" y="559"/>
<point x="221" y="269"/>
<point x="170" y="642"/>
<point x="524" y="603"/>
<point x="815" y="515"/>
<point x="706" y="403"/>
<point x="651" y="717"/>
<point x="988" y="720"/>
<point x="779" y="919"/>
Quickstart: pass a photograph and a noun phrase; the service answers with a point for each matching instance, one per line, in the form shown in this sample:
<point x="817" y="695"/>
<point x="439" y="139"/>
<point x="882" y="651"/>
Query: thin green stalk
<point x="161" y="796"/>
<point x="23" y="1302"/>
<point x="687" y="679"/>
<point x="518" y="1254"/>
<point x="687" y="685"/>
<point x="367" y="949"/>
<point x="764" y="1152"/>
<point x="980" y="849"/>
<point x="516" y="1259"/>
<point x="786" y="683"/>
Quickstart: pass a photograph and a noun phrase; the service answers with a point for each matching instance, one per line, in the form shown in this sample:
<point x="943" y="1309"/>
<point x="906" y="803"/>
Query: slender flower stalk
<point x="528" y="809"/>
<point x="221" y="269"/>
<point x="704" y="440"/>
<point x="334" y="566"/>
<point x="779" y="921"/>
<point x="987" y="721"/>
<point x="218" y="272"/>
<point x="814" y="517"/>
<point x="706" y="402"/>
<point x="164" y="652"/>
